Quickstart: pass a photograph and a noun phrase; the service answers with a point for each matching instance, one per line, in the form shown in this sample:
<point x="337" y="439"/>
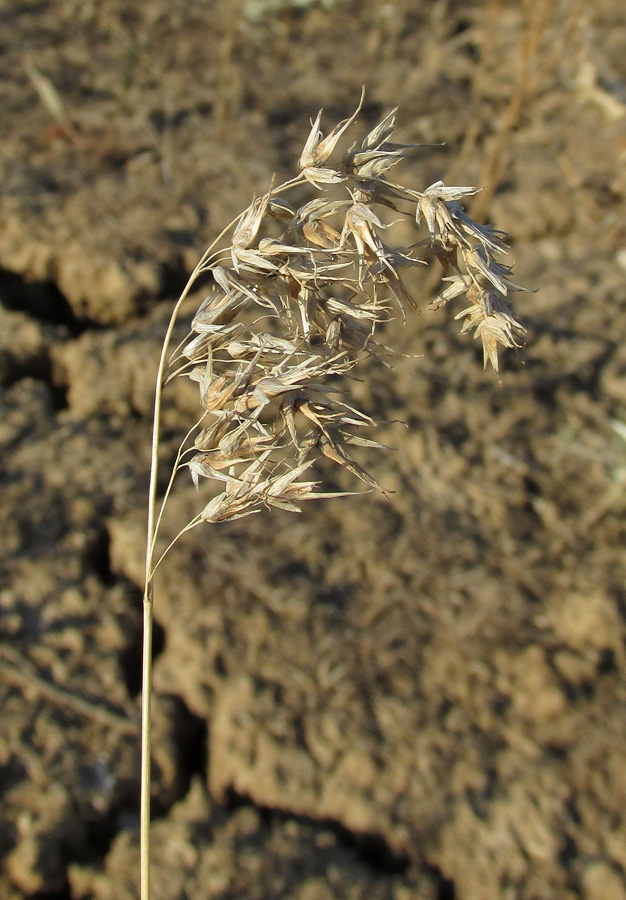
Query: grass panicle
<point x="297" y="299"/>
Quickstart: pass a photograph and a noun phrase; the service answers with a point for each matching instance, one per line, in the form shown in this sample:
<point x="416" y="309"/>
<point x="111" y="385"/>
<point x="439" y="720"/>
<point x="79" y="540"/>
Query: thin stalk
<point x="192" y="524"/>
<point x="175" y="469"/>
<point x="148" y="599"/>
<point x="148" y="596"/>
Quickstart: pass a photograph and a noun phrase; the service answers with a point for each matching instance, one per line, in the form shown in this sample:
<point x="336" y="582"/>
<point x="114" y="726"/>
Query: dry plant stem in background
<point x="296" y="303"/>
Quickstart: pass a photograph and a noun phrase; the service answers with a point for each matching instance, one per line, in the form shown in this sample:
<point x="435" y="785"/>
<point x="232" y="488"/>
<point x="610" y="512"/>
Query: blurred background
<point x="413" y="699"/>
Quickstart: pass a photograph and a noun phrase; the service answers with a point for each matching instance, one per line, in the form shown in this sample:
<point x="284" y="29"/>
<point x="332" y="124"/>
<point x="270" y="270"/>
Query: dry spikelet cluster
<point x="297" y="300"/>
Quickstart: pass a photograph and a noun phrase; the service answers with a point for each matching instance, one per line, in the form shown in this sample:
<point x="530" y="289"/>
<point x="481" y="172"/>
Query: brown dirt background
<point x="421" y="699"/>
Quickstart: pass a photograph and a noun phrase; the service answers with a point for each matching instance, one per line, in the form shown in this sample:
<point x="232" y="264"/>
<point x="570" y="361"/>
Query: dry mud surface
<point x="419" y="699"/>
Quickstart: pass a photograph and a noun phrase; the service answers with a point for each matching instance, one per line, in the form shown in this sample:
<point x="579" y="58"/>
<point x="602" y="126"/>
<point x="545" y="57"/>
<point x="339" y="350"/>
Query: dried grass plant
<point x="297" y="299"/>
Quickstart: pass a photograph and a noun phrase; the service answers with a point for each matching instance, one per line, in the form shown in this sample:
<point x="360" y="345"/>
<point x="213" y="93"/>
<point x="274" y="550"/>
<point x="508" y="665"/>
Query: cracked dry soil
<point x="420" y="699"/>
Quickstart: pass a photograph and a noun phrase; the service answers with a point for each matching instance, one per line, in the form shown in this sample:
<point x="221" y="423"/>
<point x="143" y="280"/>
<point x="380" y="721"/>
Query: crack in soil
<point x="41" y="300"/>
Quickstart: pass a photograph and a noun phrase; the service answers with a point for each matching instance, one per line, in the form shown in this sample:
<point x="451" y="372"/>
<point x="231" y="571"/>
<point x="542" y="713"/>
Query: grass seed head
<point x="284" y="326"/>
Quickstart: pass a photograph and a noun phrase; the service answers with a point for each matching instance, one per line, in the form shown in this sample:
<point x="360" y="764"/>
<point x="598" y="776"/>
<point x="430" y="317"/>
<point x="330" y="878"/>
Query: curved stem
<point x="192" y="524"/>
<point x="148" y="598"/>
<point x="153" y="524"/>
<point x="175" y="468"/>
